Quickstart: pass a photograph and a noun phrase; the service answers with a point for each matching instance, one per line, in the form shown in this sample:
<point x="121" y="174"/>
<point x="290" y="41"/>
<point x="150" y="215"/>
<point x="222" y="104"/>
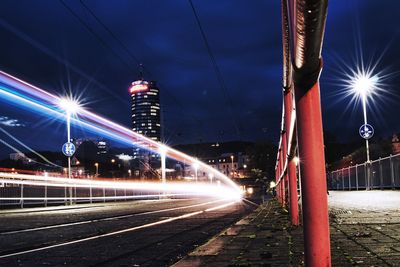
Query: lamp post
<point x="211" y="176"/>
<point x="232" y="167"/>
<point x="364" y="105"/>
<point x="163" y="153"/>
<point x="70" y="107"/>
<point x="112" y="168"/>
<point x="97" y="169"/>
<point x="195" y="167"/>
<point x="363" y="84"/>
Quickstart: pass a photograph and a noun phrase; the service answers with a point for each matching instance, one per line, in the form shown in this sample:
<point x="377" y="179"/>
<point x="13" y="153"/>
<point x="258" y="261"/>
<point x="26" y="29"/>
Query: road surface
<point x="141" y="233"/>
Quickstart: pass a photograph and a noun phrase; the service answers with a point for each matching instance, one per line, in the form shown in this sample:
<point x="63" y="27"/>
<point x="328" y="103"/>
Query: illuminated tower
<point x="146" y="120"/>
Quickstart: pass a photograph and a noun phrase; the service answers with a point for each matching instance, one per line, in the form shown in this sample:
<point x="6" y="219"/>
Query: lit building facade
<point x="146" y="115"/>
<point x="146" y="119"/>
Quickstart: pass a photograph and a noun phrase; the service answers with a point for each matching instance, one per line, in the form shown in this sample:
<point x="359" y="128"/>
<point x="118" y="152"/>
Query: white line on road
<point x="118" y="232"/>
<point x="104" y="219"/>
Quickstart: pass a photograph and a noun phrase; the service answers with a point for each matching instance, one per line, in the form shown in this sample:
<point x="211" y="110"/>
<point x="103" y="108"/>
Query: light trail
<point x="182" y="188"/>
<point x="30" y="149"/>
<point x="32" y="97"/>
<point x="107" y="218"/>
<point x="14" y="170"/>
<point x="127" y="230"/>
<point x="93" y="198"/>
<point x="19" y="151"/>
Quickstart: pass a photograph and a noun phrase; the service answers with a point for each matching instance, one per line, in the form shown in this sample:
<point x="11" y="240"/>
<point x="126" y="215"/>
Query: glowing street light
<point x="363" y="85"/>
<point x="296" y="160"/>
<point x="70" y="107"/>
<point x="97" y="168"/>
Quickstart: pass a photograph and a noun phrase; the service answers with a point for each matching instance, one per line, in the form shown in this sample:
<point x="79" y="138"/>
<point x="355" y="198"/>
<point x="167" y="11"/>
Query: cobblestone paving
<point x="367" y="238"/>
<point x="264" y="238"/>
<point x="359" y="237"/>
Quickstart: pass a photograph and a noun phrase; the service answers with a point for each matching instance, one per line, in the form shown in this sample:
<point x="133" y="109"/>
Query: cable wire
<point x="217" y="71"/>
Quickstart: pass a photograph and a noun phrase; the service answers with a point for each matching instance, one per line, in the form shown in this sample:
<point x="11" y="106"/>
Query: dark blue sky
<point x="45" y="44"/>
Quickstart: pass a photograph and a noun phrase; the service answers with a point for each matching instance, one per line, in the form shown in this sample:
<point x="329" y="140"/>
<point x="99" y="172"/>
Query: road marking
<point x="191" y="214"/>
<point x="104" y="219"/>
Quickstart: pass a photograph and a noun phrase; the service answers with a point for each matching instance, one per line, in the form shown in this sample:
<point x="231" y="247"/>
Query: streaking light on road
<point x="201" y="189"/>
<point x="41" y="101"/>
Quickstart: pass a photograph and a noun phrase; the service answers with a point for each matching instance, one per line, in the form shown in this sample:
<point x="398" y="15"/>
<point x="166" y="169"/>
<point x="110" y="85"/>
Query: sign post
<point x="68" y="150"/>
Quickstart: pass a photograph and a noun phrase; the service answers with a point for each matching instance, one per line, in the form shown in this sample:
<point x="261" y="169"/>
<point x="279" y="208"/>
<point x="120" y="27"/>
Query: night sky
<point x="58" y="45"/>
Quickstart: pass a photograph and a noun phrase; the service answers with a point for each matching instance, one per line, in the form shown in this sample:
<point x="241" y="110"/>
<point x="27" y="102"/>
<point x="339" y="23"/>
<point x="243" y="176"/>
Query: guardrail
<point x="303" y="26"/>
<point x="22" y="195"/>
<point x="383" y="173"/>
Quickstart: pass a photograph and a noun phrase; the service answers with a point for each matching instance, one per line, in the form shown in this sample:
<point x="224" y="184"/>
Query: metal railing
<point x="22" y="195"/>
<point x="377" y="174"/>
<point x="303" y="26"/>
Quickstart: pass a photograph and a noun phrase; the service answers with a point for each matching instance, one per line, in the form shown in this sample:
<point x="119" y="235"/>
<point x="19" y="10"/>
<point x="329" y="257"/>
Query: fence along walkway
<point x="377" y="174"/>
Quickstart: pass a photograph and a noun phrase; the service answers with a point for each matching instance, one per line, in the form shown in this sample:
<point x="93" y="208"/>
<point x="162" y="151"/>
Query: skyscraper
<point x="146" y="118"/>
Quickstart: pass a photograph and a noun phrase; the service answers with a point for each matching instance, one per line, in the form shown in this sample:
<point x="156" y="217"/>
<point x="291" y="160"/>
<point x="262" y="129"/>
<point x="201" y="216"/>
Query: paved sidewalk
<point x="365" y="226"/>
<point x="359" y="237"/>
<point x="263" y="238"/>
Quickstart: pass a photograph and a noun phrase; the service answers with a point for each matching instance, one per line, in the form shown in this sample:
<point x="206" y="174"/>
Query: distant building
<point x="395" y="144"/>
<point x="17" y="156"/>
<point x="146" y="119"/>
<point x="233" y="165"/>
<point x="102" y="147"/>
<point x="101" y="144"/>
<point x="146" y="115"/>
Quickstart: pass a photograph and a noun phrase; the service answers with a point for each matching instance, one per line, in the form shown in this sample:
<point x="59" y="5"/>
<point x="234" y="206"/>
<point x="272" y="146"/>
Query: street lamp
<point x="70" y="107"/>
<point x="195" y="167"/>
<point x="362" y="84"/>
<point x="211" y="176"/>
<point x="232" y="166"/>
<point x="296" y="160"/>
<point x="163" y="152"/>
<point x="97" y="168"/>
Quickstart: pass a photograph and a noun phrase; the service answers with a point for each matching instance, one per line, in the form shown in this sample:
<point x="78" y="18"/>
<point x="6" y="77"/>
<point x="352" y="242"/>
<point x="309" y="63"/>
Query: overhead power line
<point x="99" y="39"/>
<point x="217" y="71"/>
<point x="132" y="55"/>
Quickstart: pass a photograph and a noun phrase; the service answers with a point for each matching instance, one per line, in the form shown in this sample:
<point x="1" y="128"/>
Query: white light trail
<point x="27" y="147"/>
<point x="203" y="189"/>
<point x="39" y="100"/>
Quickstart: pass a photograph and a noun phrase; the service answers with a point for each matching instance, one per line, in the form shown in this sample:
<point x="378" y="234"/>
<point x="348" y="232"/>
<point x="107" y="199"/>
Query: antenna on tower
<point x="141" y="68"/>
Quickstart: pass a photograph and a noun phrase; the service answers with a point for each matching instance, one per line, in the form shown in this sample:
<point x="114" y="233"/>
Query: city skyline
<point x="197" y="107"/>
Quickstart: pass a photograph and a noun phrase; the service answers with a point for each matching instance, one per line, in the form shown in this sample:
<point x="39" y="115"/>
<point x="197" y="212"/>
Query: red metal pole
<point x="276" y="181"/>
<point x="312" y="170"/>
<point x="284" y="158"/>
<point x="282" y="184"/>
<point x="291" y="171"/>
<point x="279" y="174"/>
<point x="293" y="196"/>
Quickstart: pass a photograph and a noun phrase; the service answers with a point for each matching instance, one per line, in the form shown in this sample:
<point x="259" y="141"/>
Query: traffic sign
<point x="366" y="131"/>
<point x="68" y="149"/>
